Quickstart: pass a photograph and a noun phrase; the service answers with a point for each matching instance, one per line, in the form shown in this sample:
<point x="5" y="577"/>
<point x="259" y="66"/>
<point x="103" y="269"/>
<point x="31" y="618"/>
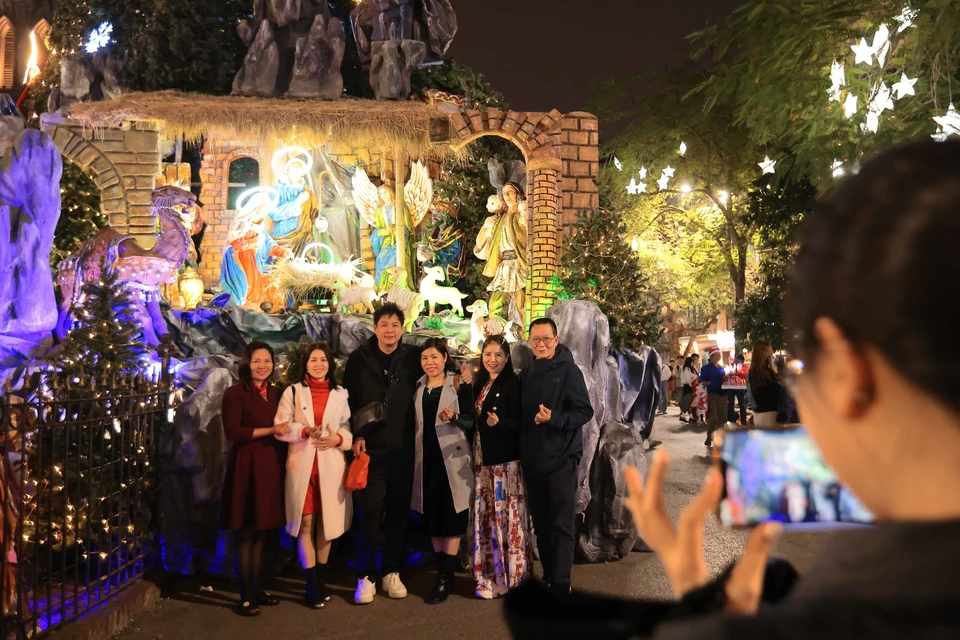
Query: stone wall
<point x="124" y="164"/>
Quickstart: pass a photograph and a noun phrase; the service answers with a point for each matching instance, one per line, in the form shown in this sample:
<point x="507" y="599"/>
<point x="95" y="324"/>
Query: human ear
<point x="842" y="372"/>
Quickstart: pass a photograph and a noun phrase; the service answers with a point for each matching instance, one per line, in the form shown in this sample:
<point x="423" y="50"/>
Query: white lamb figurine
<point x="361" y="294"/>
<point x="434" y="294"/>
<point x="410" y="302"/>
<point x="478" y="321"/>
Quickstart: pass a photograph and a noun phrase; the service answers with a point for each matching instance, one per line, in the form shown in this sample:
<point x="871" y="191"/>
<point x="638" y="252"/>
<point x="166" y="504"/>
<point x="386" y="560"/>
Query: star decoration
<point x="99" y="38"/>
<point x="641" y="187"/>
<point x="881" y="99"/>
<point x="949" y="124"/>
<point x="850" y="105"/>
<point x="838" y="79"/>
<point x="767" y="165"/>
<point x="617" y="163"/>
<point x="905" y="86"/>
<point x="872" y="123"/>
<point x="669" y="171"/>
<point x="863" y="52"/>
<point x="663" y="181"/>
<point x="633" y="187"/>
<point x="881" y="43"/>
<point x="643" y="173"/>
<point x="906" y="18"/>
<point x="683" y="148"/>
<point x="837" y="168"/>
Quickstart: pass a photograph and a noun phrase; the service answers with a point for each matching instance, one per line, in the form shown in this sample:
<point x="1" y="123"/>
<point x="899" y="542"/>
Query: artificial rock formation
<point x="259" y="75"/>
<point x="85" y="77"/>
<point x="392" y="64"/>
<point x="29" y="210"/>
<point x="316" y="66"/>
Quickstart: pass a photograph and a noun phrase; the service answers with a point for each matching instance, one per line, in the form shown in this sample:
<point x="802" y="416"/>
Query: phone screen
<point x="781" y="476"/>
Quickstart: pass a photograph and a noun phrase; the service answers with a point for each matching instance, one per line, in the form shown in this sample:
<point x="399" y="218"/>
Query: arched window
<point x="7" y="47"/>
<point x="42" y="30"/>
<point x="244" y="174"/>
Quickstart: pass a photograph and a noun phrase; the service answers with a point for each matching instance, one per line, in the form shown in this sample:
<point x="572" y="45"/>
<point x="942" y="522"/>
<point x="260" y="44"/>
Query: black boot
<point x="322" y="592"/>
<point x="441" y="590"/>
<point x="314" y="598"/>
<point x="248" y="606"/>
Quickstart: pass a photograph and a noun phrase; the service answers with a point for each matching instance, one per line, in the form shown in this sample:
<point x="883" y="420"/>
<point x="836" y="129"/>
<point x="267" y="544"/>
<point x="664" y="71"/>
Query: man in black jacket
<point x="381" y="377"/>
<point x="554" y="407"/>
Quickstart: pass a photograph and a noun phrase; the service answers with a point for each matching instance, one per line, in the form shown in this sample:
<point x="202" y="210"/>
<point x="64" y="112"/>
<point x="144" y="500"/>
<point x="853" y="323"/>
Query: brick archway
<point x="540" y="137"/>
<point x="95" y="162"/>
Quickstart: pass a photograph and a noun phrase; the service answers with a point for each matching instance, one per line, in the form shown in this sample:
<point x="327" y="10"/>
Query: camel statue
<point x="143" y="270"/>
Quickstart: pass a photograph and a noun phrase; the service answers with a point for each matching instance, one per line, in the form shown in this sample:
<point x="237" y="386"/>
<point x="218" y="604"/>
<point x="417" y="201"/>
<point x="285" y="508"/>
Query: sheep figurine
<point x="483" y="325"/>
<point x="434" y="294"/>
<point x="358" y="297"/>
<point x="410" y="302"/>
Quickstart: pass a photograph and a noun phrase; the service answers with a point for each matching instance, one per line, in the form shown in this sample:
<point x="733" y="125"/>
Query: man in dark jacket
<point x="554" y="407"/>
<point x="381" y="376"/>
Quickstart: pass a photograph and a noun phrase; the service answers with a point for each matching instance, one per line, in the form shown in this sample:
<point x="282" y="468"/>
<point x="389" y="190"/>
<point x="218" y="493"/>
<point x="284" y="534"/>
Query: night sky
<point x="544" y="54"/>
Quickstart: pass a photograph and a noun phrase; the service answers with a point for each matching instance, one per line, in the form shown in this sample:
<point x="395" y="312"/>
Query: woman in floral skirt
<point x="501" y="552"/>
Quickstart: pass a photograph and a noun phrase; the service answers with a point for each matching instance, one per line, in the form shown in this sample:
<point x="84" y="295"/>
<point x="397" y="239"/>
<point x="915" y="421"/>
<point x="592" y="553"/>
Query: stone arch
<point x="113" y="191"/>
<point x="538" y="135"/>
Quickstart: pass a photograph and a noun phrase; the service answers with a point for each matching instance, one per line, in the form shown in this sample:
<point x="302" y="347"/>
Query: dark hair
<point x="688" y="363"/>
<point x="761" y="365"/>
<point x="248" y="351"/>
<point x="695" y="355"/>
<point x="331" y="362"/>
<point x="388" y="309"/>
<point x="545" y="321"/>
<point x="739" y="358"/>
<point x="481" y="378"/>
<point x="877" y="256"/>
<point x="440" y="345"/>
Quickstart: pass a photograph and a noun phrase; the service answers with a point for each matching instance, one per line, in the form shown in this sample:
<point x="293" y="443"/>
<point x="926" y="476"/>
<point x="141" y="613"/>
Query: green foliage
<point x="106" y="340"/>
<point x="598" y="265"/>
<point x="453" y="77"/>
<point x="295" y="368"/>
<point x="778" y="212"/>
<point x="80" y="215"/>
<point x="772" y="61"/>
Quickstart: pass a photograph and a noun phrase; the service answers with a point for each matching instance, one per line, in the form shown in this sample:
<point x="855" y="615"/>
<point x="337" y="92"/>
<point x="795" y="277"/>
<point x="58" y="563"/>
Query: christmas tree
<point x="598" y="265"/>
<point x="80" y="215"/>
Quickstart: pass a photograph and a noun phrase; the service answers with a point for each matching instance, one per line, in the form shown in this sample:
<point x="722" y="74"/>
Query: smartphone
<point x="780" y="475"/>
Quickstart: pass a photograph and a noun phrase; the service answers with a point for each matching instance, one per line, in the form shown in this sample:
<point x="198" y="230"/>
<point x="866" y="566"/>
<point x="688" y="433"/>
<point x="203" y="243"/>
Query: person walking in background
<point x="318" y="506"/>
<point x="665" y="374"/>
<point x="763" y="384"/>
<point x="381" y="377"/>
<point x="711" y="377"/>
<point x="688" y="381"/>
<point x="443" y="472"/>
<point x="672" y="386"/>
<point x="737" y="377"/>
<point x="501" y="551"/>
<point x="554" y="407"/>
<point x="251" y="503"/>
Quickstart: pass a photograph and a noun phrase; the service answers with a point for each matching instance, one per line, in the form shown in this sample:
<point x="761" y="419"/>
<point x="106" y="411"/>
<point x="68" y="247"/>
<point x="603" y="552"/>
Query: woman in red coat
<point x="252" y="500"/>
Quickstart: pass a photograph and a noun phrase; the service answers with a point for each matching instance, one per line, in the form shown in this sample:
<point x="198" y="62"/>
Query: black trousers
<point x="386" y="498"/>
<point x="551" y="497"/>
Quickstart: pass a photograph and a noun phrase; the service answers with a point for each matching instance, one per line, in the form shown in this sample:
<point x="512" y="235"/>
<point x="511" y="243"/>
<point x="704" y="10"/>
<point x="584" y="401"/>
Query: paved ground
<point x="210" y="614"/>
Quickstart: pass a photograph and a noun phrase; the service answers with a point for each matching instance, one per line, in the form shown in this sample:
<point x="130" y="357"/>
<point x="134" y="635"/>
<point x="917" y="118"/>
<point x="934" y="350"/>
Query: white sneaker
<point x="393" y="586"/>
<point x="365" y="591"/>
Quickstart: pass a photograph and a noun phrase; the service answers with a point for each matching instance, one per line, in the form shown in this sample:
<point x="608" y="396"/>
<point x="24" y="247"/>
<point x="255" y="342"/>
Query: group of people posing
<point x="443" y="442"/>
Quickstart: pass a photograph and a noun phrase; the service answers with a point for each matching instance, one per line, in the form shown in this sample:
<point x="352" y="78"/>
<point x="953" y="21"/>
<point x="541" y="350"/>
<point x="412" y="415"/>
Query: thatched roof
<point x="361" y="123"/>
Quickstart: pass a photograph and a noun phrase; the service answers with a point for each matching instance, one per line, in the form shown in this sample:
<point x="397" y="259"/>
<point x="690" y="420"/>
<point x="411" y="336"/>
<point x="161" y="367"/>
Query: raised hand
<point x="492" y="420"/>
<point x="446" y="415"/>
<point x="543" y="416"/>
<point x="466" y="375"/>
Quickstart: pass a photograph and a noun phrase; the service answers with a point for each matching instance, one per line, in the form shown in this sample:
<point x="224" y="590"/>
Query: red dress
<point x="253" y="485"/>
<point x="319" y="394"/>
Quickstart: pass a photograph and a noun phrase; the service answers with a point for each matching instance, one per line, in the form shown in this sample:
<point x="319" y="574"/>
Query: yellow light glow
<point x="32" y="69"/>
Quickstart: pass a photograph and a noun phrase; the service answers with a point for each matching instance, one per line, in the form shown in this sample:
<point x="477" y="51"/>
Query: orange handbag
<point x="357" y="473"/>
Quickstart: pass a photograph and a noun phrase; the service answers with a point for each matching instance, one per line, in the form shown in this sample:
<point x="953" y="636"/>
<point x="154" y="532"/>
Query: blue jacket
<point x="714" y="375"/>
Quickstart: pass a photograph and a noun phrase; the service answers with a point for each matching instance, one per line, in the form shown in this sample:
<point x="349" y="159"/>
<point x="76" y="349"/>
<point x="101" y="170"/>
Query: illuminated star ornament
<point x="837" y="168"/>
<point x="643" y="173"/>
<point x="99" y="38"/>
<point x="906" y="18"/>
<point x="904" y="87"/>
<point x="669" y="171"/>
<point x="683" y="148"/>
<point x="881" y="43"/>
<point x="617" y="163"/>
<point x="863" y="52"/>
<point x="767" y="165"/>
<point x="633" y="187"/>
<point x="664" y="180"/>
<point x="837" y="79"/>
<point x="947" y="124"/>
<point x="850" y="105"/>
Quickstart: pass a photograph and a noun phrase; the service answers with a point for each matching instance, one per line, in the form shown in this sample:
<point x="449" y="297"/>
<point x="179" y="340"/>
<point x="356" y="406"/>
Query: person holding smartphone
<point x="502" y="551"/>
<point x="318" y="506"/>
<point x="867" y="313"/>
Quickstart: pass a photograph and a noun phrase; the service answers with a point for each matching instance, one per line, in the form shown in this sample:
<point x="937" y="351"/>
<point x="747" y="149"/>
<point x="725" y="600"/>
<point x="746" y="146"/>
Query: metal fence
<point x="79" y="491"/>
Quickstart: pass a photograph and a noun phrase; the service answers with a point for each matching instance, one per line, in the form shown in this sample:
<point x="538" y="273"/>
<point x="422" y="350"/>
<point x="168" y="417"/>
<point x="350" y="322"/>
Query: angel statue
<point x="292" y="220"/>
<point x="502" y="242"/>
<point x="376" y="207"/>
<point x="442" y="242"/>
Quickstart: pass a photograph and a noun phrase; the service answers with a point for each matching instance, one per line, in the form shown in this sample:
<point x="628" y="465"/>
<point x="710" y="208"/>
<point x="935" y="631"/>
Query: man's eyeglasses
<point x="537" y="341"/>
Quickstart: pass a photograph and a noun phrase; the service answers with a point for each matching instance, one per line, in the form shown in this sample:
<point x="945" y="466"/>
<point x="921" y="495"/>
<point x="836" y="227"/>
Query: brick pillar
<point x="213" y="195"/>
<point x="544" y="254"/>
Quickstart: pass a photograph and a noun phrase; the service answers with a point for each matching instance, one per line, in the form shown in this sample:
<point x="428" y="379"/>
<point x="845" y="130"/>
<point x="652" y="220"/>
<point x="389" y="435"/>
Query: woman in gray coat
<point x="443" y="476"/>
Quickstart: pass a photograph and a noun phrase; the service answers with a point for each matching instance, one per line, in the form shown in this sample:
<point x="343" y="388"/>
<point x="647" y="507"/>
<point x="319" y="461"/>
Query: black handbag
<point x="372" y="416"/>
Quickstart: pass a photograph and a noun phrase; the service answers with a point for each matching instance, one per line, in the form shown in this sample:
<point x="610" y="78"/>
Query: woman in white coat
<point x="318" y="505"/>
